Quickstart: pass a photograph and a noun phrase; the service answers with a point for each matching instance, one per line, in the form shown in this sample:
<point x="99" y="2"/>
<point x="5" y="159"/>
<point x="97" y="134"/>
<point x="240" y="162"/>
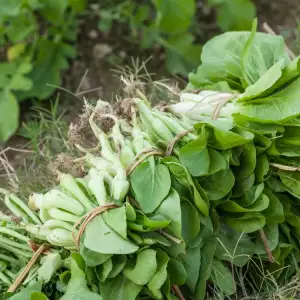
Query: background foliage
<point x="38" y="40"/>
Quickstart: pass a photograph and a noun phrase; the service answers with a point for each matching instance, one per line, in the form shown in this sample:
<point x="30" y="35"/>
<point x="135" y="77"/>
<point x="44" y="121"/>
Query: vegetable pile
<point x="176" y="202"/>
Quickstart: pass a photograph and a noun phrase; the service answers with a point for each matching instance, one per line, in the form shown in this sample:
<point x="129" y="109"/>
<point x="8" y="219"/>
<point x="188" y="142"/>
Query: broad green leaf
<point x="251" y="195"/>
<point x="219" y="184"/>
<point x="222" y="58"/>
<point x="26" y="293"/>
<point x="195" y="156"/>
<point x="92" y="258"/>
<point x="241" y="186"/>
<point x="190" y="221"/>
<point x="53" y="10"/>
<point x="262" y="168"/>
<point x="174" y="16"/>
<point x="10" y="8"/>
<point x="150" y="184"/>
<point x="192" y="265"/>
<point x="234" y="247"/>
<point x="160" y="275"/>
<point x="291" y="180"/>
<point x="261" y="204"/>
<point x="9" y="115"/>
<point x="142" y="270"/>
<point x="170" y="208"/>
<point x="104" y="270"/>
<point x="276" y="107"/>
<point x="247" y="222"/>
<point x="118" y="262"/>
<point x="99" y="237"/>
<point x="247" y="162"/>
<point x="234" y="14"/>
<point x="77" y="5"/>
<point x="207" y="254"/>
<point x="119" y="288"/>
<point x="272" y="235"/>
<point x="51" y="59"/>
<point x="77" y="287"/>
<point x="50" y="264"/>
<point x="116" y="220"/>
<point x="222" y="278"/>
<point x="274" y="213"/>
<point x="177" y="271"/>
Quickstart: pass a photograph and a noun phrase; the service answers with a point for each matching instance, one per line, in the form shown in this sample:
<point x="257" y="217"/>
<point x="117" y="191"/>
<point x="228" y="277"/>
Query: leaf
<point x="50" y="264"/>
<point x="234" y="247"/>
<point x="274" y="213"/>
<point x="234" y="14"/>
<point x="144" y="268"/>
<point x="291" y="180"/>
<point x="91" y="258"/>
<point x="51" y="59"/>
<point x="160" y="275"/>
<point x="77" y="287"/>
<point x="170" y="208"/>
<point x="15" y="51"/>
<point x="104" y="270"/>
<point x="190" y="221"/>
<point x="174" y="16"/>
<point x="99" y="237"/>
<point x="248" y="222"/>
<point x="251" y="195"/>
<point x="219" y="184"/>
<point x="119" y="288"/>
<point x="262" y="168"/>
<point x="177" y="272"/>
<point x="118" y="262"/>
<point x="77" y="5"/>
<point x="150" y="184"/>
<point x="222" y="58"/>
<point x="194" y="155"/>
<point x="26" y="293"/>
<point x="272" y="235"/>
<point x="9" y="115"/>
<point x="53" y="10"/>
<point x="116" y="220"/>
<point x="207" y="254"/>
<point x="261" y="204"/>
<point x="10" y="8"/>
<point x="192" y="265"/>
<point x="222" y="278"/>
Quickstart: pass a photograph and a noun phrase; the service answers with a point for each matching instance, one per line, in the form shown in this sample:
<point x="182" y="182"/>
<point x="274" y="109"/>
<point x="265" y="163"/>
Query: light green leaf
<point x="92" y="258"/>
<point x="170" y="208"/>
<point x="77" y="287"/>
<point x="143" y="269"/>
<point x="99" y="237"/>
<point x="26" y="293"/>
<point x="160" y="275"/>
<point x="177" y="272"/>
<point x="118" y="262"/>
<point x="291" y="180"/>
<point x="116" y="220"/>
<point x="150" y="184"/>
<point x="104" y="270"/>
<point x="10" y="8"/>
<point x="50" y="264"/>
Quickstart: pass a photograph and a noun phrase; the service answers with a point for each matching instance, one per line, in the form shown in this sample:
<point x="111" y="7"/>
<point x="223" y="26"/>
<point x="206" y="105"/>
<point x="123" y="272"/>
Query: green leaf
<point x="50" y="264"/>
<point x="52" y="58"/>
<point x="192" y="264"/>
<point x="190" y="221"/>
<point x="177" y="272"/>
<point x="262" y="168"/>
<point x="119" y="288"/>
<point x="116" y="220"/>
<point x="274" y="213"/>
<point x="234" y="14"/>
<point x="234" y="247"/>
<point x="92" y="258"/>
<point x="170" y="208"/>
<point x="77" y="5"/>
<point x="53" y="10"/>
<point x="9" y="115"/>
<point x="104" y="270"/>
<point x="160" y="275"/>
<point x="291" y="180"/>
<point x="118" y="262"/>
<point x="150" y="184"/>
<point x="77" y="287"/>
<point x="222" y="58"/>
<point x="251" y="195"/>
<point x="222" y="278"/>
<point x="219" y="184"/>
<point x="143" y="269"/>
<point x="207" y="254"/>
<point x="248" y="222"/>
<point x="272" y="235"/>
<point x="26" y="293"/>
<point x="10" y="8"/>
<point x="174" y="16"/>
<point x="99" y="237"/>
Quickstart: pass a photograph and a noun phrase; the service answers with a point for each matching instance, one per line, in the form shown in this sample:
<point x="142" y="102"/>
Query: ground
<point x="101" y="57"/>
